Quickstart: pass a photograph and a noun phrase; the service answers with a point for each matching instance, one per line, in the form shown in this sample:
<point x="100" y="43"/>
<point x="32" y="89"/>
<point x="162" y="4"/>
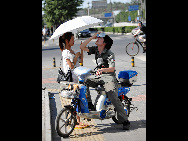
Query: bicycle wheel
<point x="132" y="49"/>
<point x="66" y="122"/>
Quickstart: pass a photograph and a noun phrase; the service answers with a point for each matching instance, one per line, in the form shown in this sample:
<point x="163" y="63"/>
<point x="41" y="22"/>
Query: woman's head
<point x="67" y="39"/>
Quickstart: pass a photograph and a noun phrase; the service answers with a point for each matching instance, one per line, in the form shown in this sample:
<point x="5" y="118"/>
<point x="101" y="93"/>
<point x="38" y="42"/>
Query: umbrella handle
<point x="81" y="59"/>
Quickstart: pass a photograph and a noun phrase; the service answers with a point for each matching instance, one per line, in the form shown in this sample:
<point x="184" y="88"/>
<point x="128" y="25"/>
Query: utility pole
<point x="111" y="12"/>
<point x="88" y="8"/>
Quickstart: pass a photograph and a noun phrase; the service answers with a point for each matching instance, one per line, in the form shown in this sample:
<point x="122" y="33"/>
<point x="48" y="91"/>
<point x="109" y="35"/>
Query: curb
<point x="119" y="33"/>
<point x="47" y="132"/>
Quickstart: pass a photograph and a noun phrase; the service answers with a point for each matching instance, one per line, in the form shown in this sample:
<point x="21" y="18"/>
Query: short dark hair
<point x="140" y="22"/>
<point x="108" y="42"/>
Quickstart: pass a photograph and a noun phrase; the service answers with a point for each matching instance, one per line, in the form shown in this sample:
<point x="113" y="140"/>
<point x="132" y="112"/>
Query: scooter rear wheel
<point x="65" y="122"/>
<point x="114" y="118"/>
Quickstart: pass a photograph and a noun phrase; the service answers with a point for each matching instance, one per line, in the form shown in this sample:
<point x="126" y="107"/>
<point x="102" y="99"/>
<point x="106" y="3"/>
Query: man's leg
<point x="112" y="94"/>
<point x="90" y="82"/>
<point x="143" y="38"/>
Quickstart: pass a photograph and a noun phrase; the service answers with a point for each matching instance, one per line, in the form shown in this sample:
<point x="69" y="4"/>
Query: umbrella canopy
<point x="74" y="25"/>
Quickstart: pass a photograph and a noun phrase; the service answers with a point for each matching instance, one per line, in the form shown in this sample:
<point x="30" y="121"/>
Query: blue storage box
<point x="127" y="75"/>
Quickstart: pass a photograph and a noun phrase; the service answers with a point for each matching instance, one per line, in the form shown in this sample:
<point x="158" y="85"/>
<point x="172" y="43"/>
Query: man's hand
<point x="99" y="72"/>
<point x="95" y="35"/>
<point x="84" y="44"/>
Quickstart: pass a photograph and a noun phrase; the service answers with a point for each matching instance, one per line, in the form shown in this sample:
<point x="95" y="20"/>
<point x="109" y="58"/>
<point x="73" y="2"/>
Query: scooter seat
<point x="100" y="89"/>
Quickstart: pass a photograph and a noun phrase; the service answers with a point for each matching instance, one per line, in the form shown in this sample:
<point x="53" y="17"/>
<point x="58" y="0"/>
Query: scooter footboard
<point x="103" y="114"/>
<point x="90" y="115"/>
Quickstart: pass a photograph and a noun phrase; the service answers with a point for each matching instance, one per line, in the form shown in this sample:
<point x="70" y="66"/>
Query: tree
<point x="122" y="17"/>
<point x="58" y="11"/>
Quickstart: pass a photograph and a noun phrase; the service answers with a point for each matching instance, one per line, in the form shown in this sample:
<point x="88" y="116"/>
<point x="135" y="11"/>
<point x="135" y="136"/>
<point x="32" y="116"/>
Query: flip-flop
<point x="82" y="126"/>
<point x="79" y="127"/>
<point x="85" y="125"/>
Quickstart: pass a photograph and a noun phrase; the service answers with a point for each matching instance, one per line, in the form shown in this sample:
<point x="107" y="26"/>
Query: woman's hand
<point x="78" y="54"/>
<point x="76" y="57"/>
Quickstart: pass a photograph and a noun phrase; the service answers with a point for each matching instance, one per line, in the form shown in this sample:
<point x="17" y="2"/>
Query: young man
<point x="142" y="37"/>
<point x="105" y="60"/>
<point x="44" y="32"/>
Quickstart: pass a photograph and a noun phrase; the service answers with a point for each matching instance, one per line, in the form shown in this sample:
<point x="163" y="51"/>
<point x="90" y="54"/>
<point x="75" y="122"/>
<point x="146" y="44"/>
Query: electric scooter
<point x="66" y="119"/>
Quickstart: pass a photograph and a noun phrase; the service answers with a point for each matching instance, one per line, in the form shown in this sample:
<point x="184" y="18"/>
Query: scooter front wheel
<point x="65" y="122"/>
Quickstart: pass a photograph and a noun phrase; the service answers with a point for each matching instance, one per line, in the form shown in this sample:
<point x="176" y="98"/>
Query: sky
<point x="85" y="5"/>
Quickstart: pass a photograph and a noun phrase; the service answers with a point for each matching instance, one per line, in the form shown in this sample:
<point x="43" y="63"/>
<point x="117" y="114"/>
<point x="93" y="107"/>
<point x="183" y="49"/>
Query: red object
<point x="122" y="96"/>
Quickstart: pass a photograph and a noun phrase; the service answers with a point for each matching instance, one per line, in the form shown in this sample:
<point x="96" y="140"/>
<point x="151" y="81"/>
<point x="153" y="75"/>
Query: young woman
<point x="70" y="61"/>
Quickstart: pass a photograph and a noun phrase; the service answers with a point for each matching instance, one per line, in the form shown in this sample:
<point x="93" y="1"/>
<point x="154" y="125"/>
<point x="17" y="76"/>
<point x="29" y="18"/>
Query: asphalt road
<point x="51" y="49"/>
<point x="108" y="128"/>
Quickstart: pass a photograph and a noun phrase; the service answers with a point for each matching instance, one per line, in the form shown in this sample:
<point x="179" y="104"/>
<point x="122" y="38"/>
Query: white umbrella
<point x="75" y="25"/>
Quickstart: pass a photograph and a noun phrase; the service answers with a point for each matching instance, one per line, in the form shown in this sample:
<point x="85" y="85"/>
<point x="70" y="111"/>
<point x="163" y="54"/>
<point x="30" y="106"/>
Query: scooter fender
<point x="123" y="91"/>
<point x="83" y="100"/>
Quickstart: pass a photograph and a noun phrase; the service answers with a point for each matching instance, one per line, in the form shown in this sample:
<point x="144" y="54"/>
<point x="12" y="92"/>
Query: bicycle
<point x="132" y="49"/>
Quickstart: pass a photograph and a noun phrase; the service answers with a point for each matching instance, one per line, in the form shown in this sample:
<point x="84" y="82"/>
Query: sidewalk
<point x="105" y="130"/>
<point x="47" y="38"/>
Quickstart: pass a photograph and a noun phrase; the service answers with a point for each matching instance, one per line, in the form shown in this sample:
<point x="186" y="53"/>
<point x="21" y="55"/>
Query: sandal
<point x="81" y="125"/>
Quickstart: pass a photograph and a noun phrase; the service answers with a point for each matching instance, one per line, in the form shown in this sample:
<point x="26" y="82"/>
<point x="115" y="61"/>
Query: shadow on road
<point x="114" y="128"/>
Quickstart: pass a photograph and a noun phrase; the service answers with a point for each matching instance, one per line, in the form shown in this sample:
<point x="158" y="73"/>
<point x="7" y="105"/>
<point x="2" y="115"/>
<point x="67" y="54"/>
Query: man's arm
<point x="99" y="71"/>
<point x="84" y="44"/>
<point x="111" y="68"/>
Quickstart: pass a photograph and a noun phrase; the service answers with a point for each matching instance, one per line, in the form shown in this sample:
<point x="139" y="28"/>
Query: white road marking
<point x="143" y="58"/>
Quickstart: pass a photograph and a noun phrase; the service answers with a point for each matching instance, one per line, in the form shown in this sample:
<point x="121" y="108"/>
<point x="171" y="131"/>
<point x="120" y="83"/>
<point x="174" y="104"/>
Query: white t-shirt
<point x="68" y="55"/>
<point x="44" y="31"/>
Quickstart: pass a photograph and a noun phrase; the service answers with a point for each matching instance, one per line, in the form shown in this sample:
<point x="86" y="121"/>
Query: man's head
<point x="104" y="41"/>
<point x="140" y="23"/>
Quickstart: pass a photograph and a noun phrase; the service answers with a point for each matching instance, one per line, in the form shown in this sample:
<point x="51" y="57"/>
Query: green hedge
<point x="123" y="29"/>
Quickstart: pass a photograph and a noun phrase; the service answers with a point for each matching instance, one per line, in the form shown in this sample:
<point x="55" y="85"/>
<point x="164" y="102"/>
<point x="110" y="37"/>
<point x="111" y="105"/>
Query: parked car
<point x="84" y="33"/>
<point x="108" y="25"/>
<point x="135" y="29"/>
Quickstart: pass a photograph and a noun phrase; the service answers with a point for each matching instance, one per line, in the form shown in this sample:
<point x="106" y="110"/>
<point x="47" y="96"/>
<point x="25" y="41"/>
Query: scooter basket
<point x="69" y="94"/>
